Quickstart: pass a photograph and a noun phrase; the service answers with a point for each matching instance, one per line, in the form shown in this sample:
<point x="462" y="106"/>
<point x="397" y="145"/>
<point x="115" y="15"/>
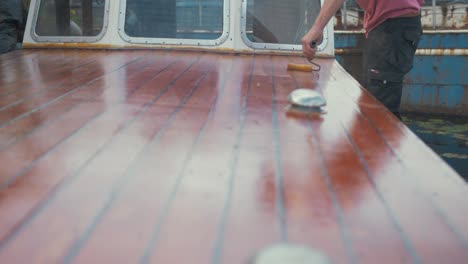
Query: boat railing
<point x="439" y="15"/>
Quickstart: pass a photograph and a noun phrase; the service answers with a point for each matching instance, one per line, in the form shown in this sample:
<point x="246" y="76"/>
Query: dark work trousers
<point x="389" y="55"/>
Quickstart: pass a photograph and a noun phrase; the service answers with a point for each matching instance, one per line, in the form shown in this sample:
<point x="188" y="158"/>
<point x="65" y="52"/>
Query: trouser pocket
<point x="391" y="49"/>
<point x="404" y="48"/>
<point x="389" y="57"/>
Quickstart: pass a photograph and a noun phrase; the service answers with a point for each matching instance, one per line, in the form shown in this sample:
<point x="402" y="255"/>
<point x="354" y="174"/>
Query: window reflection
<point x="70" y="18"/>
<point x="279" y="21"/>
<point x="181" y="19"/>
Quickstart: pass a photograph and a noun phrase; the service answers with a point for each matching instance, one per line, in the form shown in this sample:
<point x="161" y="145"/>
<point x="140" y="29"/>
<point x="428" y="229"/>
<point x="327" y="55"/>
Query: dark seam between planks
<point x="23" y="66"/>
<point x="278" y="163"/>
<point x="51" y="121"/>
<point x="6" y="183"/>
<point x="337" y="208"/>
<point x="389" y="116"/>
<point x="404" y="237"/>
<point x="173" y="194"/>
<point x="76" y="86"/>
<point x="40" y="91"/>
<point x="58" y="98"/>
<point x="392" y="118"/>
<point x="9" y="181"/>
<point x="56" y="73"/>
<point x="437" y="210"/>
<point x="4" y="63"/>
<point x="398" y="227"/>
<point x="459" y="180"/>
<point x="56" y="70"/>
<point x="68" y="180"/>
<point x="121" y="182"/>
<point x="126" y="177"/>
<point x="219" y="241"/>
<point x="440" y="212"/>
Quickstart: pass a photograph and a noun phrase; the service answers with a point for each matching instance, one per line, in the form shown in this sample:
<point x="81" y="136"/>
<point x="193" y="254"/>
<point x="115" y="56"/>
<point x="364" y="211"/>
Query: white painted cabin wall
<point x="112" y="38"/>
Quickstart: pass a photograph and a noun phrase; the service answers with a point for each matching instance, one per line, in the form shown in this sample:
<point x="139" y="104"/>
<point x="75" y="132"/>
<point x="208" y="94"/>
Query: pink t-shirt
<point x="377" y="11"/>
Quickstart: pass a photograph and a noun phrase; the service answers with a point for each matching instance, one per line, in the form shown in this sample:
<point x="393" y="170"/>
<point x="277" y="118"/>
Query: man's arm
<point x="328" y="10"/>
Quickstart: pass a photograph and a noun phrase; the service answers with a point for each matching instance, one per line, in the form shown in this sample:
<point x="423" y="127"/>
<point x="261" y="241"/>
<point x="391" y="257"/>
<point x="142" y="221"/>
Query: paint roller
<point x="305" y="67"/>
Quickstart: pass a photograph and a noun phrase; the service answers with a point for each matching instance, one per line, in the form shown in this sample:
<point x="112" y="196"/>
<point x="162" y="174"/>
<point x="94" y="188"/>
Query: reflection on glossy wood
<point x="178" y="157"/>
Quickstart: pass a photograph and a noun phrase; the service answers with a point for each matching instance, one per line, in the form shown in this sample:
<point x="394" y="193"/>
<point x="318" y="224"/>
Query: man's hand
<point x="327" y="11"/>
<point x="308" y="38"/>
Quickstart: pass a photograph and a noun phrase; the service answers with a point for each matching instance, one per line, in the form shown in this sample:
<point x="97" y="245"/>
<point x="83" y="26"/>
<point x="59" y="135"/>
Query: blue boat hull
<point x="437" y="84"/>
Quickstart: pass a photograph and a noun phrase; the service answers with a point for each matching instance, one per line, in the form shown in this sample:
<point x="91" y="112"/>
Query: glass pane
<point x="70" y="18"/>
<point x="280" y="21"/>
<point x="181" y="19"/>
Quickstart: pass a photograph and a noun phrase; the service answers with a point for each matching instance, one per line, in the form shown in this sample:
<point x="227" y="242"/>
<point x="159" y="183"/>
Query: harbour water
<point x="446" y="135"/>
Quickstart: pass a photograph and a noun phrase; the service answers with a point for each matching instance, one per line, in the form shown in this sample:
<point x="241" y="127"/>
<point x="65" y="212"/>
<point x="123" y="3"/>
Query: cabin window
<point x="193" y="22"/>
<point x="277" y="23"/>
<point x="70" y="20"/>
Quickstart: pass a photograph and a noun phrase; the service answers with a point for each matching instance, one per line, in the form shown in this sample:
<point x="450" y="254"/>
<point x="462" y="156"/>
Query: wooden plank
<point x="430" y="175"/>
<point x="113" y="145"/>
<point x="13" y="56"/>
<point x="320" y="224"/>
<point x="19" y="159"/>
<point x="412" y="211"/>
<point x="107" y="89"/>
<point x="221" y="143"/>
<point x="349" y="178"/>
<point x="77" y="79"/>
<point x="251" y="208"/>
<point x="98" y="124"/>
<point x="152" y="182"/>
<point x="153" y="155"/>
<point x="42" y="74"/>
<point x="17" y="72"/>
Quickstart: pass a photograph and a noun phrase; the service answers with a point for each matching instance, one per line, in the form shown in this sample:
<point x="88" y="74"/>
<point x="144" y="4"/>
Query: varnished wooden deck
<point x="178" y="157"/>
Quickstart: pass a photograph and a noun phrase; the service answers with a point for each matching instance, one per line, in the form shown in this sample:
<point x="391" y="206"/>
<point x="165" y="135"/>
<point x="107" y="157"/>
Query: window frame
<point x="66" y="39"/>
<point x="175" y="41"/>
<point x="273" y="46"/>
